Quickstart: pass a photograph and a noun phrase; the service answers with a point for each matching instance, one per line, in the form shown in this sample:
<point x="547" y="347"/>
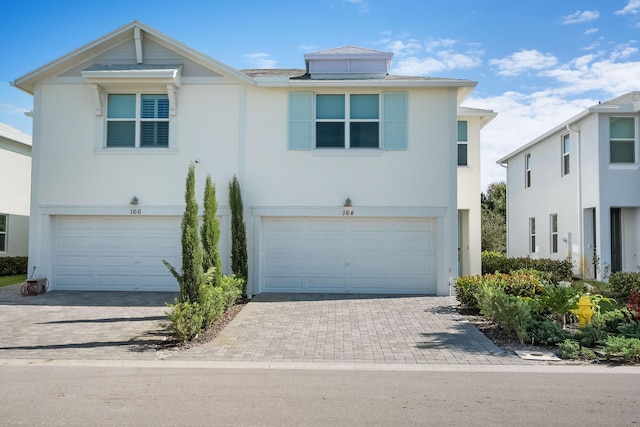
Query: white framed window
<point x="463" y="140"/>
<point x="527" y="170"/>
<point x="532" y="235"/>
<point x="347" y="121"/>
<point x="3" y="233"/>
<point x="136" y="120"/>
<point x="622" y="142"/>
<point x="553" y="227"/>
<point x="566" y="158"/>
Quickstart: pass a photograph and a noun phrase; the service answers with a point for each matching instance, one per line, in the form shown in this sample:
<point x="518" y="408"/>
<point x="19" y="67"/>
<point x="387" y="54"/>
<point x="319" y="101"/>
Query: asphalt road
<point x="159" y="396"/>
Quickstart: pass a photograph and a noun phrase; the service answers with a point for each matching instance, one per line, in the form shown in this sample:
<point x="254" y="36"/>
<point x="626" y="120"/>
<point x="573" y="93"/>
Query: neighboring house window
<point x="3" y="233"/>
<point x="462" y="143"/>
<point x="527" y="170"/>
<point x="348" y="121"/>
<point x="554" y="233"/>
<point x="532" y="235"/>
<point x="622" y="144"/>
<point x="566" y="160"/>
<point x="138" y="121"/>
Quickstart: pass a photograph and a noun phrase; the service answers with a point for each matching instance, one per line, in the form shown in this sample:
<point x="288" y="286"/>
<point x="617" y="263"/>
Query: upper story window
<point x="527" y="170"/>
<point x="462" y="143"/>
<point x="137" y="121"/>
<point x="566" y="159"/>
<point x="553" y="226"/>
<point x="348" y="121"/>
<point x="622" y="143"/>
<point x="3" y="233"/>
<point x="532" y="235"/>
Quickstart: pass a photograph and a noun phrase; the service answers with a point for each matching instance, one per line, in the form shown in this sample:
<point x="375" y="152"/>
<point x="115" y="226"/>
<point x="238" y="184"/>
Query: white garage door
<point x="357" y="255"/>
<point x="116" y="253"/>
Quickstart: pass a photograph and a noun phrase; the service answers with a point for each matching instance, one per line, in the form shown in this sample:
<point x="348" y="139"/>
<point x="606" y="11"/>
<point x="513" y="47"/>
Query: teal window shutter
<point x="300" y="121"/>
<point x="394" y="121"/>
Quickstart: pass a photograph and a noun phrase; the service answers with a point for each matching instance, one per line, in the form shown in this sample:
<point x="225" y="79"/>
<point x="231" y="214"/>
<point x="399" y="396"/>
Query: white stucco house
<point x="118" y="121"/>
<point x="15" y="190"/>
<point x="574" y="192"/>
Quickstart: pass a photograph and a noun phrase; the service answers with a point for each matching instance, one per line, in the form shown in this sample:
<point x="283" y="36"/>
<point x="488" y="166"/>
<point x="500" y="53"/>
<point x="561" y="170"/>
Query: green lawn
<point x="12" y="280"/>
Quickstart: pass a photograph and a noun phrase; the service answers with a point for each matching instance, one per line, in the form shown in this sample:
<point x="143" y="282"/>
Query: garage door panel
<point x="381" y="255"/>
<point x="278" y="263"/>
<point x="326" y="263"/>
<point x="326" y="284"/>
<point x="283" y="284"/>
<point x="116" y="253"/>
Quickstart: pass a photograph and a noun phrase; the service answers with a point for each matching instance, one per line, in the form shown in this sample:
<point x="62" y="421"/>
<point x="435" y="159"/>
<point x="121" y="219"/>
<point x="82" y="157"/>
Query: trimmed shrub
<point x="630" y="330"/>
<point x="511" y="312"/>
<point x="569" y="349"/>
<point x="12" y="265"/>
<point x="627" y="349"/>
<point x="465" y="288"/>
<point x="186" y="320"/>
<point x="622" y="283"/>
<point x="588" y="336"/>
<point x="495" y="262"/>
<point x="609" y="321"/>
<point x="543" y="331"/>
<point x="523" y="283"/>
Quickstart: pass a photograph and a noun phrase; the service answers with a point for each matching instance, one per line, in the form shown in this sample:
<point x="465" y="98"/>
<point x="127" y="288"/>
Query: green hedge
<point x="524" y="283"/>
<point x="13" y="265"/>
<point x="188" y="319"/>
<point x="496" y="262"/>
<point x="622" y="283"/>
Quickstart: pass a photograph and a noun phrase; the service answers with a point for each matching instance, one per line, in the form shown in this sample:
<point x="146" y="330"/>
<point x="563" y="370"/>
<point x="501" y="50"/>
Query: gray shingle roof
<point x="627" y="98"/>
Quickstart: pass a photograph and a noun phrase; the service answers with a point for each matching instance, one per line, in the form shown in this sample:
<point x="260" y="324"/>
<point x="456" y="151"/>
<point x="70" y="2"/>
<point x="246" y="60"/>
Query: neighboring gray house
<point x="15" y="189"/>
<point x="574" y="192"/>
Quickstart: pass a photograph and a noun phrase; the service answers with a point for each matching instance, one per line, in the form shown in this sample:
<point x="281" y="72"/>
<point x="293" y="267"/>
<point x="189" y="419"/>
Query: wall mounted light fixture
<point x="347" y="203"/>
<point x="134" y="201"/>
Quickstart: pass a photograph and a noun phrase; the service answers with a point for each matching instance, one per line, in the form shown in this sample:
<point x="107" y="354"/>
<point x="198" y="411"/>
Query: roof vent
<point x="348" y="62"/>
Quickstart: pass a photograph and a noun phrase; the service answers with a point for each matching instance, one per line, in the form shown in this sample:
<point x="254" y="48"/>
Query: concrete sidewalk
<point x="272" y="328"/>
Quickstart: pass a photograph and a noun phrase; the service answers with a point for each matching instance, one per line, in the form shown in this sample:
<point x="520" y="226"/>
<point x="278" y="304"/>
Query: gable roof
<point x="626" y="103"/>
<point x="13" y="134"/>
<point x="265" y="78"/>
<point x="92" y="49"/>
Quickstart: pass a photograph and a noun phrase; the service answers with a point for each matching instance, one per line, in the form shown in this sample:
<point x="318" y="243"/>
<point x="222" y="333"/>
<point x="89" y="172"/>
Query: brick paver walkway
<point x="272" y="328"/>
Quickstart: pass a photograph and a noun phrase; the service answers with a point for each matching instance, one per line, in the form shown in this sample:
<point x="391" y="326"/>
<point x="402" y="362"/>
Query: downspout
<point x="580" y="213"/>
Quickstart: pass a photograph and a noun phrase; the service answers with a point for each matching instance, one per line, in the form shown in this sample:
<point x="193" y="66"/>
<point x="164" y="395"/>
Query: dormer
<point x="348" y="62"/>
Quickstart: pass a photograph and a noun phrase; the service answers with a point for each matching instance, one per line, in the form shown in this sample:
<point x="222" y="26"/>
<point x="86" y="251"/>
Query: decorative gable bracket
<point x="134" y="77"/>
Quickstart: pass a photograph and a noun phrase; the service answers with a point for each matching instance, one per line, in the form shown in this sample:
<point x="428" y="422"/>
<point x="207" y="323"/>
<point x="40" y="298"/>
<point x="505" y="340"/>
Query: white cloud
<point x="591" y="31"/>
<point x="631" y="8"/>
<point x="363" y="5"/>
<point x="521" y="118"/>
<point x="260" y="60"/>
<point x="581" y="16"/>
<point x="415" y="58"/>
<point x="523" y="61"/>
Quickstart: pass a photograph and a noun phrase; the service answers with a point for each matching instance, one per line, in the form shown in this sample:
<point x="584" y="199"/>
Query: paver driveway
<point x="271" y="328"/>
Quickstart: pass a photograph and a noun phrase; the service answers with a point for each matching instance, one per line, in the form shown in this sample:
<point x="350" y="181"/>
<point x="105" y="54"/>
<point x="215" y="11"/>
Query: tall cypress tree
<point x="210" y="232"/>
<point x="239" y="263"/>
<point x="191" y="276"/>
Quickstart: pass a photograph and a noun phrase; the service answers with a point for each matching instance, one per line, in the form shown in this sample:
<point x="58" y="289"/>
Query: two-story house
<point x="348" y="173"/>
<point x="15" y="190"/>
<point x="573" y="192"/>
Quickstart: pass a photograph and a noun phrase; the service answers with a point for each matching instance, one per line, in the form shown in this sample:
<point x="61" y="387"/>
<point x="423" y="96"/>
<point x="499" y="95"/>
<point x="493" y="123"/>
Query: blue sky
<point x="536" y="63"/>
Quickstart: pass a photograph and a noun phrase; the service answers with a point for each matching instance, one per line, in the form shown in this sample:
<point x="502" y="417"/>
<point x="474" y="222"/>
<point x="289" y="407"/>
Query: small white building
<point x="118" y="121"/>
<point x="574" y="192"/>
<point x="15" y="190"/>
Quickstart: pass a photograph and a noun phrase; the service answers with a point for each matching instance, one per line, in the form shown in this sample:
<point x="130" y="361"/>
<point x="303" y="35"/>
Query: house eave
<point x="544" y="136"/>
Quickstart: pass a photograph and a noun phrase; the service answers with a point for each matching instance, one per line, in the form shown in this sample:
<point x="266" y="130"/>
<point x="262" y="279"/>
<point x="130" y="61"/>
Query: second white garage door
<point x="116" y="253"/>
<point x="356" y="255"/>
